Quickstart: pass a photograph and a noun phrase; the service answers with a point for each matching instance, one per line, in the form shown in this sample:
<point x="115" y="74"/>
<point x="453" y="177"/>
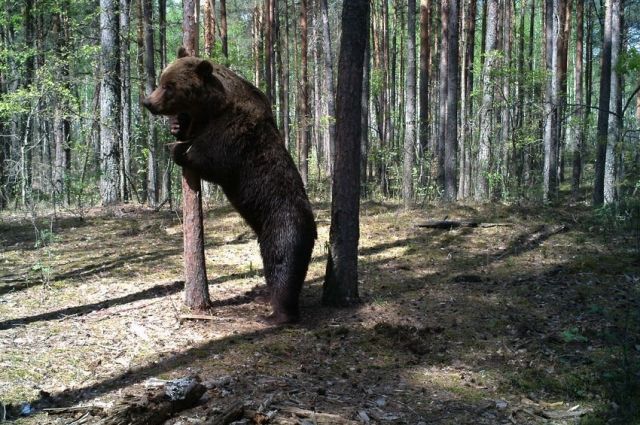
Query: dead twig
<point x="196" y="317"/>
<point x="231" y="414"/>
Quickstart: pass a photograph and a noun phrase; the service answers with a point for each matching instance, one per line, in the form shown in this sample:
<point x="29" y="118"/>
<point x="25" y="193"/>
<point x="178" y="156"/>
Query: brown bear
<point x="226" y="132"/>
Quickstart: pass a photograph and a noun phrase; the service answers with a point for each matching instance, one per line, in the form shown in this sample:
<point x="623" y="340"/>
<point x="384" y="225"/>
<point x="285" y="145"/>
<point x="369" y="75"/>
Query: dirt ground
<point x="532" y="319"/>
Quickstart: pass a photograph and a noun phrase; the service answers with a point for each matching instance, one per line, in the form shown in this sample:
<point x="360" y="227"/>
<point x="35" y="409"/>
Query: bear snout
<point x="147" y="103"/>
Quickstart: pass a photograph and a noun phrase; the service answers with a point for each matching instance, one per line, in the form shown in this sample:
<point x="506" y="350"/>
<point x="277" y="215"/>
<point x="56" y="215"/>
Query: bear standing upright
<point x="226" y="133"/>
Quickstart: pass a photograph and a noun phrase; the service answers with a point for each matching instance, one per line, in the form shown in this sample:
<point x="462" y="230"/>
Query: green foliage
<point x="573" y="335"/>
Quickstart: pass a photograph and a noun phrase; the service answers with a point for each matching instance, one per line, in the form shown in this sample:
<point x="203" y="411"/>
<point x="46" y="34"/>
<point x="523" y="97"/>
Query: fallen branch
<point x="155" y="406"/>
<point x="196" y="317"/>
<point x="453" y="224"/>
<point x="317" y="417"/>
<point x="233" y="413"/>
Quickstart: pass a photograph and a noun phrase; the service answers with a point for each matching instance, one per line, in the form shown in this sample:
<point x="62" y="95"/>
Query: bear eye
<point x="167" y="86"/>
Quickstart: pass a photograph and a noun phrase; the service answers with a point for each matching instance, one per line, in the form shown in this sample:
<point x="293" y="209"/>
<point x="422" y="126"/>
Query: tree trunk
<point x="486" y="110"/>
<point x="579" y="89"/>
<point x="196" y="289"/>
<point x="451" y="132"/>
<point x="223" y="30"/>
<point x="341" y="281"/>
<point x="328" y="83"/>
<point x="209" y="28"/>
<point x="268" y="49"/>
<point x="550" y="141"/>
<point x="423" y="128"/>
<point x="366" y="98"/>
<point x="109" y="103"/>
<point x="410" y="114"/>
<point x="125" y="97"/>
<point x="303" y="98"/>
<point x="603" y="108"/>
<point x="613" y="134"/>
<point x="469" y="22"/>
<point x="150" y="85"/>
<point x="442" y="91"/>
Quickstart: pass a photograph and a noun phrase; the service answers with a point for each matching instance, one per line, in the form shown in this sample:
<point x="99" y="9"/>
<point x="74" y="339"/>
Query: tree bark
<point x="603" y="108"/>
<point x="469" y="22"/>
<point x="410" y="113"/>
<point x="486" y="110"/>
<point x="579" y="90"/>
<point x="196" y="289"/>
<point x="451" y="132"/>
<point x="223" y="31"/>
<point x="328" y="83"/>
<point x="341" y="281"/>
<point x="442" y="92"/>
<point x="613" y="134"/>
<point x="423" y="128"/>
<point x="550" y="141"/>
<point x="150" y="85"/>
<point x="303" y="98"/>
<point x="109" y="104"/>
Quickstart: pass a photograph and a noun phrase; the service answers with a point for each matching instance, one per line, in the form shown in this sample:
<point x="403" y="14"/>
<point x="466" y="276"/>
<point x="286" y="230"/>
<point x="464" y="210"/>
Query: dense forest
<point x="467" y="252"/>
<point x="498" y="100"/>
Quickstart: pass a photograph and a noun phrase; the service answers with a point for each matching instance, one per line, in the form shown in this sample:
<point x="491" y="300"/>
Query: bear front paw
<point x="179" y="152"/>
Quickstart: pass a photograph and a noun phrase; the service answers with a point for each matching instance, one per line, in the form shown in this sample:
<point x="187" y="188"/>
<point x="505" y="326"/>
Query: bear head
<point x="189" y="93"/>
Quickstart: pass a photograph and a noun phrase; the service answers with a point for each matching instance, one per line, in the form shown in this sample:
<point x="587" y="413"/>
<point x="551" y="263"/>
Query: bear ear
<point x="204" y="70"/>
<point x="182" y="52"/>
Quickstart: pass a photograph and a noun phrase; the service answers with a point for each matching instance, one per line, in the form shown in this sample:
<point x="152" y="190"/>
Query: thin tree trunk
<point x="366" y="99"/>
<point x="613" y="134"/>
<point x="209" y="28"/>
<point x="579" y="90"/>
<point x="125" y="96"/>
<point x="550" y="184"/>
<point x="196" y="289"/>
<point x="223" y="30"/>
<point x="303" y="153"/>
<point x="150" y="85"/>
<point x="451" y="132"/>
<point x="328" y="83"/>
<point x="423" y="133"/>
<point x="469" y="22"/>
<point x="443" y="89"/>
<point x="603" y="108"/>
<point x="268" y="50"/>
<point x="486" y="110"/>
<point x="410" y="115"/>
<point x="109" y="103"/>
<point x="341" y="281"/>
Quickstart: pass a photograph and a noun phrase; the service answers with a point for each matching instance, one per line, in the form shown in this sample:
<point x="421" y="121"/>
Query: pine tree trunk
<point x="579" y="99"/>
<point x="366" y="99"/>
<point x="223" y="30"/>
<point x="469" y="22"/>
<point x="410" y="114"/>
<point x="486" y="110"/>
<point x="451" y="132"/>
<point x="303" y="153"/>
<point x="150" y="85"/>
<point x="328" y="83"/>
<point x="603" y="108"/>
<point x="442" y="92"/>
<point x="196" y="289"/>
<point x="550" y="140"/>
<point x="341" y="281"/>
<point x="109" y="103"/>
<point x="613" y="135"/>
<point x="423" y="128"/>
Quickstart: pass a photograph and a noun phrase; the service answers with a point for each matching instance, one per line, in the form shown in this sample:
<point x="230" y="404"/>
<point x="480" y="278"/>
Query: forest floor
<point x="535" y="320"/>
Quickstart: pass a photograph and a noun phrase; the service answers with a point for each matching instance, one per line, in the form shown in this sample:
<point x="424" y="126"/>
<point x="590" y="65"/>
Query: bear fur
<point x="226" y="133"/>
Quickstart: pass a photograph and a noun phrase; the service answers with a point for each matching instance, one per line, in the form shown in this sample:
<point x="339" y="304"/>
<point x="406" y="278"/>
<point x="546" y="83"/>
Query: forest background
<point x="462" y="100"/>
